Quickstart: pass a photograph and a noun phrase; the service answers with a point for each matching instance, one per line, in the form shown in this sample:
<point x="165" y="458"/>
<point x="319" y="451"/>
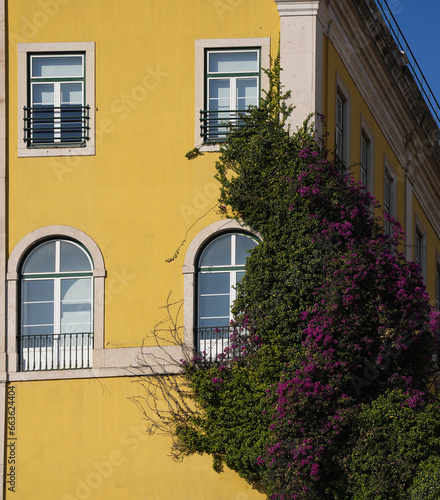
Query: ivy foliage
<point x="398" y="443"/>
<point x="329" y="319"/>
<point x="426" y="485"/>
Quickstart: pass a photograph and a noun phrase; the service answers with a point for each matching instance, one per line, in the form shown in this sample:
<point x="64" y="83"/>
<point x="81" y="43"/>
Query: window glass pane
<point x="71" y="93"/>
<point x="242" y="246"/>
<point x="240" y="275"/>
<point x="387" y="195"/>
<point x="41" y="260"/>
<point x="233" y="62"/>
<point x="214" y="322"/>
<point x="43" y="94"/>
<point x="76" y="317"/>
<point x="217" y="253"/>
<point x="38" y="290"/>
<point x="76" y="289"/>
<point x="247" y="92"/>
<point x="219" y="95"/>
<point x="214" y="306"/>
<point x="57" y="66"/>
<point x="37" y="330"/>
<point x="73" y="258"/>
<point x="214" y="283"/>
<point x="339" y="112"/>
<point x="71" y="124"/>
<point x="38" y="313"/>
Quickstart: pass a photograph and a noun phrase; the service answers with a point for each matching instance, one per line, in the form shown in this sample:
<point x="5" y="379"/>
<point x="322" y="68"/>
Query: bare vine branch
<point x="166" y="400"/>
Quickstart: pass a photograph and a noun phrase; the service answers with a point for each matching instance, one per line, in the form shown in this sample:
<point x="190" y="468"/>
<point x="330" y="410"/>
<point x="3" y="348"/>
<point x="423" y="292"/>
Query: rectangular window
<point x="365" y="162"/>
<point x="437" y="287"/>
<point x="232" y="84"/>
<point x="56" y="99"/>
<point x="341" y="105"/>
<point x="420" y="248"/>
<point x="387" y="188"/>
<point x="57" y="114"/>
<point x="389" y="199"/>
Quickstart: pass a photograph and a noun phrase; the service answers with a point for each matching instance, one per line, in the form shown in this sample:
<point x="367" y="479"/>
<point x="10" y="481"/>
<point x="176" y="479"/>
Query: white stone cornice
<point x="297" y="7"/>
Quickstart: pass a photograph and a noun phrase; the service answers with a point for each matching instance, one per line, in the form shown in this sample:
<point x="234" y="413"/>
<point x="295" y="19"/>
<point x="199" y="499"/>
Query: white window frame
<point x="214" y="338"/>
<point x="57" y="83"/>
<point x="60" y="48"/>
<point x="367" y="156"/>
<point x="13" y="276"/>
<point x="232" y="269"/>
<point x="233" y="78"/>
<point x="67" y="350"/>
<point x="420" y="246"/>
<point x="437" y="282"/>
<point x="390" y="207"/>
<point x="201" y="46"/>
<point x="190" y="270"/>
<point x="342" y="121"/>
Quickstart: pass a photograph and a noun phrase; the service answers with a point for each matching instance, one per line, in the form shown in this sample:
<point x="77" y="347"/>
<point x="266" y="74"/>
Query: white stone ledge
<point x="118" y="362"/>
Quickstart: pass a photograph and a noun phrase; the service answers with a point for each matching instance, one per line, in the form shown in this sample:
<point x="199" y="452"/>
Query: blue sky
<point x="419" y="20"/>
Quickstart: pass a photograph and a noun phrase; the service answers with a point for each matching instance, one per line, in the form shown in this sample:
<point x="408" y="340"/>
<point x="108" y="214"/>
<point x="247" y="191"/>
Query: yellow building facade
<point x="104" y="221"/>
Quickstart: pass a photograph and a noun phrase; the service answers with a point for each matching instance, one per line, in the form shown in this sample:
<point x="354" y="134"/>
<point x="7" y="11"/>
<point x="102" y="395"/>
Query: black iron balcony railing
<point x="213" y="341"/>
<point x="216" y="125"/>
<point x="56" y="126"/>
<point x="63" y="351"/>
<point x="409" y="58"/>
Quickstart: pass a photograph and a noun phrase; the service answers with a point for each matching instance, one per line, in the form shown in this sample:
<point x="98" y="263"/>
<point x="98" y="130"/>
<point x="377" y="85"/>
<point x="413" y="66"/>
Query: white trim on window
<point x="14" y="263"/>
<point x="190" y="272"/>
<point x="367" y="156"/>
<point x="390" y="193"/>
<point x="343" y="121"/>
<point x="420" y="246"/>
<point x="23" y="49"/>
<point x="437" y="281"/>
<point x="226" y="43"/>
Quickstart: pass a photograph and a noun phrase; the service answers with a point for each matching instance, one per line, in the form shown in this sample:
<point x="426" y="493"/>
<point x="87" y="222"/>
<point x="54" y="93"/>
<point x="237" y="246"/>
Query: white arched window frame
<point x="17" y="259"/>
<point x="56" y="307"/>
<point x="208" y="315"/>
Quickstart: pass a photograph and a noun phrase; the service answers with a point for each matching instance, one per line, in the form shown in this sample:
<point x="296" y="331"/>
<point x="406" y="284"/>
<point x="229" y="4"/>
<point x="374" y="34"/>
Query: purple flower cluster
<point x="371" y="312"/>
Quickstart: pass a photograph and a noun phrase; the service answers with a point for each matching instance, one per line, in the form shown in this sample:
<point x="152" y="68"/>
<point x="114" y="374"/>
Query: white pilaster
<point x="302" y="28"/>
<point x="3" y="160"/>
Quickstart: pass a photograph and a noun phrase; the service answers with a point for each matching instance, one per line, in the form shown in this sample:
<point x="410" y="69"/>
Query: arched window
<point x="56" y="313"/>
<point x="220" y="267"/>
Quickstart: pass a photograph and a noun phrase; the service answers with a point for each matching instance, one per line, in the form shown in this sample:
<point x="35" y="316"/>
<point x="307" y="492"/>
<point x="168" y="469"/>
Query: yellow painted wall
<point x="137" y="198"/>
<point x="139" y="195"/>
<point x="84" y="439"/>
<point x="432" y="248"/>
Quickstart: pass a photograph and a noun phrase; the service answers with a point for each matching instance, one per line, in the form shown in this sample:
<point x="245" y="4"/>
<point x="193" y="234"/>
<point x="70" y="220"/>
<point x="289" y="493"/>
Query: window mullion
<point x="57" y="112"/>
<point x="233" y="93"/>
<point x="57" y="256"/>
<point x="57" y="306"/>
<point x="232" y="291"/>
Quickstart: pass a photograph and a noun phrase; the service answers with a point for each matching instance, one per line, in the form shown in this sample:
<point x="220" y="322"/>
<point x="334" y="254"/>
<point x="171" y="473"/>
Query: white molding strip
<point x="297" y="8"/>
<point x="3" y="153"/>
